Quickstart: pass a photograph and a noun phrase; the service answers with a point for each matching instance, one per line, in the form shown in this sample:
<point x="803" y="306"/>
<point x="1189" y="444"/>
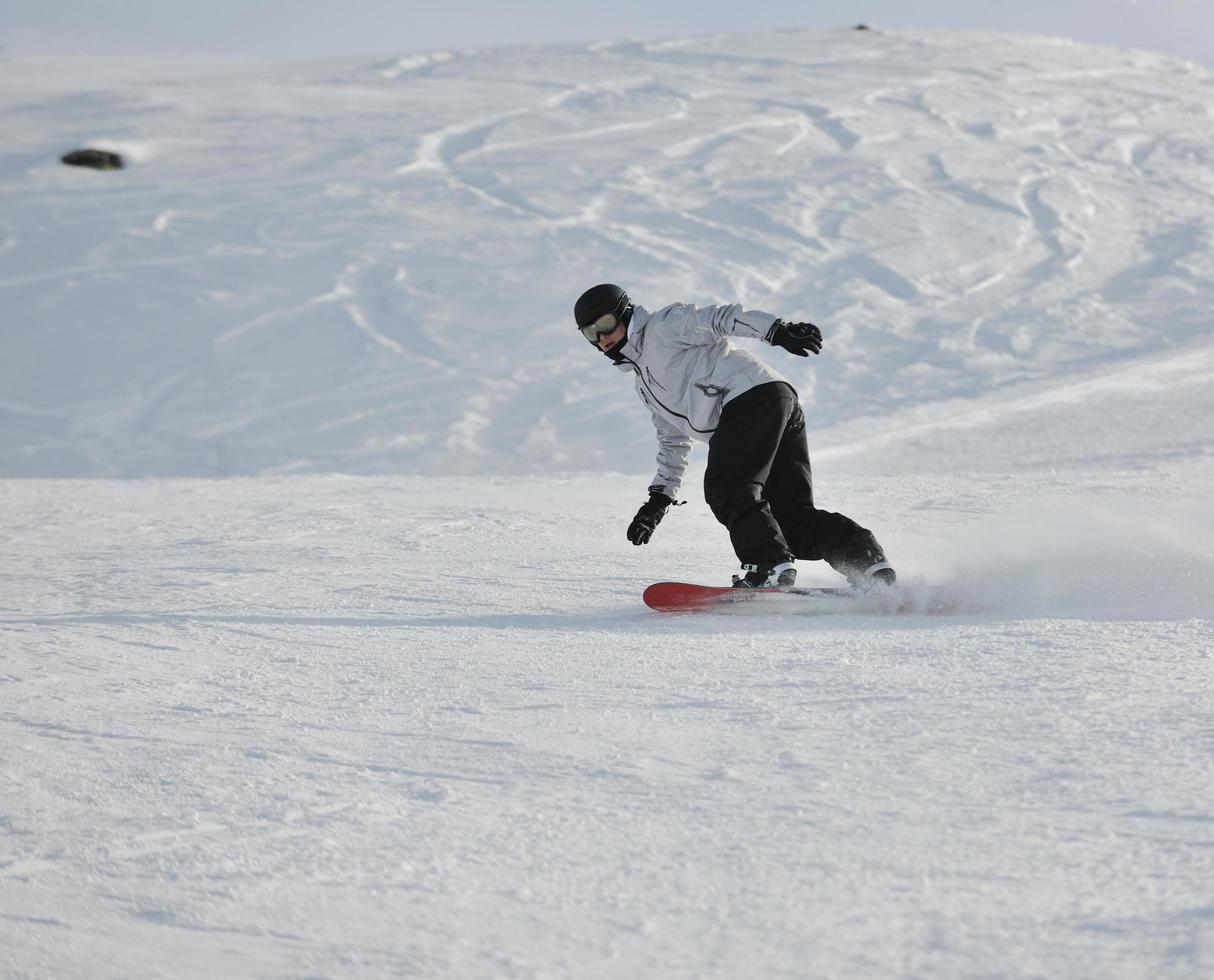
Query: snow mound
<point x="369" y="267"/>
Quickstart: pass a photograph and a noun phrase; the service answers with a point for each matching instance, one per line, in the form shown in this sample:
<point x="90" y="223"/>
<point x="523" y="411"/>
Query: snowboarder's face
<point x="609" y="340"/>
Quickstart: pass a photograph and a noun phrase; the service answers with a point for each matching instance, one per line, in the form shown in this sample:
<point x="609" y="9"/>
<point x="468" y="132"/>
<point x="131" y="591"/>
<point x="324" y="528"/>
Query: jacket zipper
<point x="662" y="405"/>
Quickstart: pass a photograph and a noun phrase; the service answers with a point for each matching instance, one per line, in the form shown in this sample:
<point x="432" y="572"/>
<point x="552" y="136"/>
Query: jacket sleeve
<point x="692" y="326"/>
<point x="674" y="452"/>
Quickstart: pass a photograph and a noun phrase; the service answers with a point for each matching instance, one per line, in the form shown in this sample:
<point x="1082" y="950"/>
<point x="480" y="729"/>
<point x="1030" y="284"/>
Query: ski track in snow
<point x="417" y="722"/>
<point x="960" y="212"/>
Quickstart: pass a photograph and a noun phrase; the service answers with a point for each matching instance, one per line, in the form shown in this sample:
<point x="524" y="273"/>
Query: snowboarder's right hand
<point x="648" y="517"/>
<point x="796" y="338"/>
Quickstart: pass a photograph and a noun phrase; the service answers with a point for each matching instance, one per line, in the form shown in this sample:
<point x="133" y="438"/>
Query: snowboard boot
<point x="766" y="575"/>
<point x="862" y="561"/>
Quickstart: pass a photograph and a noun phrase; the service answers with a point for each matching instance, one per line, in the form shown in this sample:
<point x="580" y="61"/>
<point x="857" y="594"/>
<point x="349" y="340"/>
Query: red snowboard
<point x="678" y="596"/>
<point x="684" y="597"/>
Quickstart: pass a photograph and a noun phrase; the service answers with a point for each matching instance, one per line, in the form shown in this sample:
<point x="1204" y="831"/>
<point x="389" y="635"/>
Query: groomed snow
<point x="329" y="726"/>
<point x="385" y="702"/>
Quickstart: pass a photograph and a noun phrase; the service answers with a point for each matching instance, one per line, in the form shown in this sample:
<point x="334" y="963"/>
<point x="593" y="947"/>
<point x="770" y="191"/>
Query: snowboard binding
<point x="766" y="575"/>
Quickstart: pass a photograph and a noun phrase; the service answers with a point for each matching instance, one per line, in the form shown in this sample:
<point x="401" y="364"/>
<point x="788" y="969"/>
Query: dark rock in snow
<point x="97" y="159"/>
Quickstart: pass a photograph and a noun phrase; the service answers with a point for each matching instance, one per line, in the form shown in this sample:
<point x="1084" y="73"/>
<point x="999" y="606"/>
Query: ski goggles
<point x="604" y="324"/>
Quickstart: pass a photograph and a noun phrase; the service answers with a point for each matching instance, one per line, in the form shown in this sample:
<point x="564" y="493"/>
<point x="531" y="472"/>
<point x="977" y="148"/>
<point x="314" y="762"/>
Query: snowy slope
<point x="370" y="267"/>
<point x="334" y="726"/>
<point x="415" y="721"/>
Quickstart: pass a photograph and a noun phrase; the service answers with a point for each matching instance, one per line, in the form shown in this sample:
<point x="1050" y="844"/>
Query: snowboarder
<point x="698" y="385"/>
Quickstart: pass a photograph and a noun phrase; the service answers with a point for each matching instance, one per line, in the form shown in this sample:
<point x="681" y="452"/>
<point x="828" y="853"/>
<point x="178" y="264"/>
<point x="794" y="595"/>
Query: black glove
<point x="796" y="338"/>
<point x="648" y="517"/>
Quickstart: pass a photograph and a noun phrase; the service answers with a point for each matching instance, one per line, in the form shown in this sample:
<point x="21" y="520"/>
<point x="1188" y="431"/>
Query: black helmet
<point x="606" y="302"/>
<point x="599" y="301"/>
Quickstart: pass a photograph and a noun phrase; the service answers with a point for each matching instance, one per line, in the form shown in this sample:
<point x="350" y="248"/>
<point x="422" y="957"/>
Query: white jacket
<point x="687" y="370"/>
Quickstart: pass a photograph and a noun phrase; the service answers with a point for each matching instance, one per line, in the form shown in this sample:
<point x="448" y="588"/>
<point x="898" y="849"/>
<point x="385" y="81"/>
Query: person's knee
<point x="729" y="501"/>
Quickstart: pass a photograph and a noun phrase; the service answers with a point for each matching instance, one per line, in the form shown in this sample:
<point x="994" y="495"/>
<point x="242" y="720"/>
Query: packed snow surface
<point x="385" y="701"/>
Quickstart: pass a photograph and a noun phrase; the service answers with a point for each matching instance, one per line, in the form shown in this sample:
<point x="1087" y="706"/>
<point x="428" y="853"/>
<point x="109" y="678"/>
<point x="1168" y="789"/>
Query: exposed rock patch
<point x="96" y="159"/>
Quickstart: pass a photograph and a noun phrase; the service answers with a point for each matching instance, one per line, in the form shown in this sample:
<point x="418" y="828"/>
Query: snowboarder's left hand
<point x="648" y="517"/>
<point x="796" y="338"/>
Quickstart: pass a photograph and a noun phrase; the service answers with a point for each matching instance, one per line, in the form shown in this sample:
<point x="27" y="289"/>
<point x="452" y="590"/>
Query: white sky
<point x="322" y="28"/>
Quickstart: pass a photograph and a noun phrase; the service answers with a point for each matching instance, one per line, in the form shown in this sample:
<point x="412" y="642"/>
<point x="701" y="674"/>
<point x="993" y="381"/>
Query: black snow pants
<point x="758" y="481"/>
